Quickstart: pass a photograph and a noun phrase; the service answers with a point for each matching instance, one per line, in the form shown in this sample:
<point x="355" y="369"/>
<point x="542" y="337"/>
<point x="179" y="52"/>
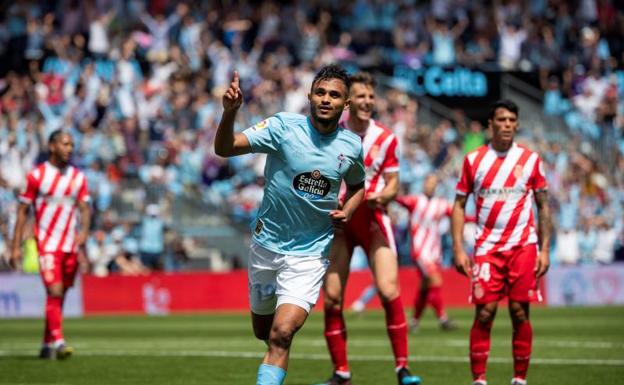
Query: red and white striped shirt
<point x="55" y="194"/>
<point x="425" y="216"/>
<point x="503" y="184"/>
<point x="380" y="147"/>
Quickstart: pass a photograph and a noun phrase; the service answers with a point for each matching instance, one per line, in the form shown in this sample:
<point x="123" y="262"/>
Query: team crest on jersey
<point x="341" y="159"/>
<point x="311" y="185"/>
<point x="260" y="125"/>
<point x="478" y="291"/>
<point x="259" y="226"/>
<point x="374" y="151"/>
<point x="517" y="171"/>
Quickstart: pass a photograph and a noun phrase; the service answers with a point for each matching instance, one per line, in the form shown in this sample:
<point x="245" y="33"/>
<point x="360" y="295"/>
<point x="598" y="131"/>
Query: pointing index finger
<point x="235" y="78"/>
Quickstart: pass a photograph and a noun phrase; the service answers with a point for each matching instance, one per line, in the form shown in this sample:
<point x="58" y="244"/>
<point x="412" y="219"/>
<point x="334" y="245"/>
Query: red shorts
<point x="509" y="273"/>
<point x="364" y="223"/>
<point x="58" y="267"/>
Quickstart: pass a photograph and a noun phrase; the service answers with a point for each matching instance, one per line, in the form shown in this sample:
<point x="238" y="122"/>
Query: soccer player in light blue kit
<point x="307" y="160"/>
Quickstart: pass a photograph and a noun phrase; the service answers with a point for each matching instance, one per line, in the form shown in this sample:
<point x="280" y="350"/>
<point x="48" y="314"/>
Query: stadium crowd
<point x="138" y="84"/>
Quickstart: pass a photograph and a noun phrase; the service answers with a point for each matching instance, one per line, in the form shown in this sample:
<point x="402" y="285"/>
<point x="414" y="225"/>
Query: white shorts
<point x="276" y="278"/>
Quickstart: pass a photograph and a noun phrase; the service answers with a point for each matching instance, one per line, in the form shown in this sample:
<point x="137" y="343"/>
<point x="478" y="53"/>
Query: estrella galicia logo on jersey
<point x="312" y="185"/>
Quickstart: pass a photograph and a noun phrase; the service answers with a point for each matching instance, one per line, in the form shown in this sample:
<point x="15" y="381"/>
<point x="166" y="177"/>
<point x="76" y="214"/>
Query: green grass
<point x="571" y="346"/>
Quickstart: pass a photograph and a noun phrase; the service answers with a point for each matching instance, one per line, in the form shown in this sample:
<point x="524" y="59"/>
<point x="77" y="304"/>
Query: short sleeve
<point x="391" y="162"/>
<point x="538" y="177"/>
<point x="266" y="136"/>
<point x="356" y="173"/>
<point x="30" y="192"/>
<point x="465" y="183"/>
<point x="407" y="201"/>
<point x="83" y="192"/>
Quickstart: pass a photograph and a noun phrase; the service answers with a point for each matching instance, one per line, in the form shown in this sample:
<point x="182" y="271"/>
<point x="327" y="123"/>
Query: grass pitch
<point x="571" y="346"/>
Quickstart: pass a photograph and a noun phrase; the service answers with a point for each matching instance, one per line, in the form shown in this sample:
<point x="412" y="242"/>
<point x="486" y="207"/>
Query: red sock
<point x="397" y="330"/>
<point x="521" y="342"/>
<point x="336" y="337"/>
<point x="479" y="348"/>
<point x="419" y="303"/>
<point x="54" y="318"/>
<point x="434" y="298"/>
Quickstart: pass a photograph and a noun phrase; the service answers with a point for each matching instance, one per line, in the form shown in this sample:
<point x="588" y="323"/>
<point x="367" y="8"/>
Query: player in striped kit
<point x="58" y="193"/>
<point x="369" y="228"/>
<point x="426" y="213"/>
<point x="505" y="178"/>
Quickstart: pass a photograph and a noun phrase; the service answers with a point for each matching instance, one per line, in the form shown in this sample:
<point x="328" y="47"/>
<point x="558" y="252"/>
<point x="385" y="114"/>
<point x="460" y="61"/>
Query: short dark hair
<point x="503" y="103"/>
<point x="364" y="78"/>
<point x="56" y="134"/>
<point x="333" y="71"/>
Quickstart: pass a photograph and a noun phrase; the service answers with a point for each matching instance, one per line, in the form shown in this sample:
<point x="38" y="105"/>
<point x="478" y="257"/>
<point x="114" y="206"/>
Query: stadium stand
<point x="139" y="87"/>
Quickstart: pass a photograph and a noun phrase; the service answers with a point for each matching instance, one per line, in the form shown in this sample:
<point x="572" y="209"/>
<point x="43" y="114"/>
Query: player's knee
<point x="388" y="290"/>
<point x="281" y="336"/>
<point x="518" y="312"/>
<point x="333" y="298"/>
<point x="486" y="314"/>
<point x="56" y="290"/>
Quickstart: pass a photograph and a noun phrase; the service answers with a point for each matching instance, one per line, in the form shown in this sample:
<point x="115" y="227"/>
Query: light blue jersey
<point x="303" y="173"/>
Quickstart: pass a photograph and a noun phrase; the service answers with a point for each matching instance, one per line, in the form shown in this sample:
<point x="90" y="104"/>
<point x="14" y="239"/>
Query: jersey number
<point x="483" y="271"/>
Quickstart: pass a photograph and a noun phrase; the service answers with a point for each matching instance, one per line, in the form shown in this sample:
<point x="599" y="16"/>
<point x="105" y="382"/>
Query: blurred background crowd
<point x="139" y="83"/>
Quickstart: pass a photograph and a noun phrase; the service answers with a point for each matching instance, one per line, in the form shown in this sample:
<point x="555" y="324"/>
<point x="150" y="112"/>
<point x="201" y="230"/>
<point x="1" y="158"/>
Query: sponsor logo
<point x="311" y="185"/>
<point x="259" y="226"/>
<point x="517" y="171"/>
<point x="260" y="125"/>
<point x="156" y="299"/>
<point x="10" y="302"/>
<point x="478" y="291"/>
<point x="503" y="193"/>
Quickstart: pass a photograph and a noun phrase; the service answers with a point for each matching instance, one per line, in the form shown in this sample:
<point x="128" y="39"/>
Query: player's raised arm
<point x="226" y="142"/>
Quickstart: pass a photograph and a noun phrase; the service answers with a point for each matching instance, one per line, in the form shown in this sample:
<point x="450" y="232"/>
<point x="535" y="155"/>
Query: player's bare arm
<point x="543" y="230"/>
<point x="85" y="223"/>
<point x="458" y="217"/>
<point x="226" y="142"/>
<point x="355" y="195"/>
<point x="16" y="245"/>
<point x="387" y="194"/>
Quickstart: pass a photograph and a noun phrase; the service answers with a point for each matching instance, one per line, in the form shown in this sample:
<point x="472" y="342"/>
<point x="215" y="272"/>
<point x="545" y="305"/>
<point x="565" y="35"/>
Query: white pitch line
<point x="324" y="357"/>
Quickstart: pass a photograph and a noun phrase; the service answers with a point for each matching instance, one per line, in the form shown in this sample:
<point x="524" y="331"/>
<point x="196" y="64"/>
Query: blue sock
<point x="270" y="375"/>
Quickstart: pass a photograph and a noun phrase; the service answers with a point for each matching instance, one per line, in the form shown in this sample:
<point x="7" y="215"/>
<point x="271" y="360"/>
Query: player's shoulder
<point x="524" y="147"/>
<point x="290" y="117"/>
<point x="383" y="129"/>
<point x="479" y="151"/>
<point x="349" y="136"/>
<point x="37" y="171"/>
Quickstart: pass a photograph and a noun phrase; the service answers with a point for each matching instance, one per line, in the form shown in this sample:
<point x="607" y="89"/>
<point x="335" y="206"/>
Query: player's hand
<point x="233" y="97"/>
<point x="339" y="218"/>
<point x="463" y="263"/>
<point x="15" y="260"/>
<point x="542" y="264"/>
<point x="81" y="239"/>
<point x="376" y="201"/>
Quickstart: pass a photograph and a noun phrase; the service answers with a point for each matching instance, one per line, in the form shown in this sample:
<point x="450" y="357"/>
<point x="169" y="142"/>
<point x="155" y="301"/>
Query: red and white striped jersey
<point x="380" y="147"/>
<point x="55" y="195"/>
<point x="503" y="184"/>
<point x="425" y="216"/>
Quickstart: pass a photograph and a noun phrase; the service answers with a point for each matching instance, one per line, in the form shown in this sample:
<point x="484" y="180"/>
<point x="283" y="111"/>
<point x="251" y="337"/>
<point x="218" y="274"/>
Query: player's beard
<point x="333" y="120"/>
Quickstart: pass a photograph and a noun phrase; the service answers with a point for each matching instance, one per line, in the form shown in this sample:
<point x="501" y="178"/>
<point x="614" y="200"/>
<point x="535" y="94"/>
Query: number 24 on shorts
<point x="481" y="271"/>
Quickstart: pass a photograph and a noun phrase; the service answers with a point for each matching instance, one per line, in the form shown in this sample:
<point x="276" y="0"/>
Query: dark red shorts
<point x="364" y="223"/>
<point x="58" y="267"/>
<point x="509" y="273"/>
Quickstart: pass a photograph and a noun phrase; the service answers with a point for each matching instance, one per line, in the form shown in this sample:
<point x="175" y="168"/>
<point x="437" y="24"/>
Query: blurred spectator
<point x="152" y="238"/>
